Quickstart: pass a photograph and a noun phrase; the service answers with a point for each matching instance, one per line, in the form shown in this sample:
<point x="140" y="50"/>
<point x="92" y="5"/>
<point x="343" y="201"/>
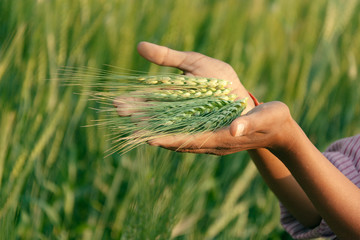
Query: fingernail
<point x="239" y="130"/>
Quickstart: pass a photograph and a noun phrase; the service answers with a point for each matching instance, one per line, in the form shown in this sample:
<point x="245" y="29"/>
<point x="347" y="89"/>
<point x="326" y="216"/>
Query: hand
<point x="195" y="64"/>
<point x="192" y="64"/>
<point x="265" y="126"/>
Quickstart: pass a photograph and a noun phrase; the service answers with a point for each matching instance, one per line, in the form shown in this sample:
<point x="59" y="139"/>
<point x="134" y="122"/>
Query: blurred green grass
<point x="55" y="182"/>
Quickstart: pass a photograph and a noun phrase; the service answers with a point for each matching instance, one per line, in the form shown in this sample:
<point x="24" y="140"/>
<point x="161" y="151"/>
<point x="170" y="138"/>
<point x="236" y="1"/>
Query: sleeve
<point x="298" y="231"/>
<point x="345" y="156"/>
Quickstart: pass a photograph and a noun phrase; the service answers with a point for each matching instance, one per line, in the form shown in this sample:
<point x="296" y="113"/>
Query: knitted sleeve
<point x="344" y="154"/>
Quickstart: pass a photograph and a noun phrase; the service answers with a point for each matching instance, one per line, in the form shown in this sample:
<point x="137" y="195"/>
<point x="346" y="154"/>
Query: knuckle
<point x="283" y="108"/>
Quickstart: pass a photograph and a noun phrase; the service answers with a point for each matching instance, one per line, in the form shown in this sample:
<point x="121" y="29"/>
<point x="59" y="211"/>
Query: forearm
<point x="334" y="196"/>
<point x="285" y="187"/>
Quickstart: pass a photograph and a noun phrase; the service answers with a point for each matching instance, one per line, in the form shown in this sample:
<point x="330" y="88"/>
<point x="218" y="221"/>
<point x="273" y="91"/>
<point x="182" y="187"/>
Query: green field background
<point x="55" y="182"/>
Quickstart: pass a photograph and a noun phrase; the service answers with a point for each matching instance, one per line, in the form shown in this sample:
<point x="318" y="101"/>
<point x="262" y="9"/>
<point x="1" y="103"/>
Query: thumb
<point x="240" y="126"/>
<point x="262" y="118"/>
<point x="163" y="55"/>
<point x="249" y="122"/>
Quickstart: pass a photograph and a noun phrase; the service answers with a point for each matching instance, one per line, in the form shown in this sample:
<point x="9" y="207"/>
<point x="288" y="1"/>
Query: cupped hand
<point x="265" y="126"/>
<point x="195" y="64"/>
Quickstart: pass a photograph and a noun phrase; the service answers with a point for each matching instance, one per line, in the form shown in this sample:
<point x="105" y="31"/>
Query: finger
<point x="168" y="57"/>
<point x="218" y="152"/>
<point x="200" y="151"/>
<point x="219" y="139"/>
<point x="258" y="119"/>
<point x="180" y="141"/>
<point x="214" y="151"/>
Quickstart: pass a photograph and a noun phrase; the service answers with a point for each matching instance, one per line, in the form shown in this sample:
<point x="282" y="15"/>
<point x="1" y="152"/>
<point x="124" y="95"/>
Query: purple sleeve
<point x="298" y="231"/>
<point x="344" y="155"/>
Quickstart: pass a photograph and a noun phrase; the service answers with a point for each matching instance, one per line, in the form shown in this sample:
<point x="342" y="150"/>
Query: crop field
<point x="55" y="181"/>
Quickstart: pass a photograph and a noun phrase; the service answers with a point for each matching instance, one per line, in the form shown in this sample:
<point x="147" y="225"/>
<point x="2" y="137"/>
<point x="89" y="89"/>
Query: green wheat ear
<point x="165" y="105"/>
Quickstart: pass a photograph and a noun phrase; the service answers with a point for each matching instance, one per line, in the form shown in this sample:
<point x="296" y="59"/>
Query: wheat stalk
<point x="166" y="105"/>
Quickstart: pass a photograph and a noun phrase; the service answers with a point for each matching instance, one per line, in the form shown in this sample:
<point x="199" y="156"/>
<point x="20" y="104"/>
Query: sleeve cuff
<point x="298" y="231"/>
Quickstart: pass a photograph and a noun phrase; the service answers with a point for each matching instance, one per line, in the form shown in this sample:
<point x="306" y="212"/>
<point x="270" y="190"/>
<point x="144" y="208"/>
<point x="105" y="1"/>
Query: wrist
<point x="288" y="140"/>
<point x="286" y="133"/>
